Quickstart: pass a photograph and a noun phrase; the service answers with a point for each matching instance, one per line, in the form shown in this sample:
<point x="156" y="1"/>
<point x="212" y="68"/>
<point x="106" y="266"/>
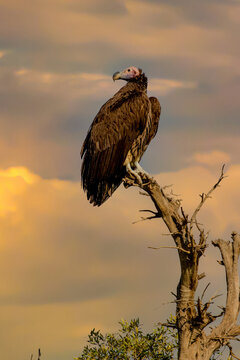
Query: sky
<point x="65" y="266"/>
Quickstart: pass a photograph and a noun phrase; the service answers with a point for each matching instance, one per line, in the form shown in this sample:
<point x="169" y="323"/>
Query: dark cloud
<point x="98" y="7"/>
<point x="61" y="58"/>
<point x="211" y="13"/>
<point x="188" y="2"/>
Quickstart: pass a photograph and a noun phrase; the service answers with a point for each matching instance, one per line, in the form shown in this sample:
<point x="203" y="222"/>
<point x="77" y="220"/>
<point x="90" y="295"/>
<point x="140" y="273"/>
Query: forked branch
<point x="204" y="197"/>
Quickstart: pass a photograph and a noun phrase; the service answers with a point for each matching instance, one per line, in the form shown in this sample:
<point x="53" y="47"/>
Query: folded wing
<point x="116" y="126"/>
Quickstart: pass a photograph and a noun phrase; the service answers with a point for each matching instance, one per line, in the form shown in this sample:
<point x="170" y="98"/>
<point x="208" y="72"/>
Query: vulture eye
<point x="128" y="69"/>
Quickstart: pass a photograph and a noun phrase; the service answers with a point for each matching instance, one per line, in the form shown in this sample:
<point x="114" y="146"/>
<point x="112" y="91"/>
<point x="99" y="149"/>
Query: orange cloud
<point x="211" y="158"/>
<point x="13" y="183"/>
<point x="60" y="256"/>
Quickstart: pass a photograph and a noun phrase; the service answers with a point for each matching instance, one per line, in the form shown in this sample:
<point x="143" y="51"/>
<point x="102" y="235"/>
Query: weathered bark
<point x="192" y="314"/>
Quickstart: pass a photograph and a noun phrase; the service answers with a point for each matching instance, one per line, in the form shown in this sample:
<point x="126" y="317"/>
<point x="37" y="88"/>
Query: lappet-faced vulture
<point x="118" y="137"/>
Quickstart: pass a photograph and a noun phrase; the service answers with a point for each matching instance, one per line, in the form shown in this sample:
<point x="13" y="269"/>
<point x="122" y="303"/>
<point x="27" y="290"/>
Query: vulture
<point x="118" y="137"/>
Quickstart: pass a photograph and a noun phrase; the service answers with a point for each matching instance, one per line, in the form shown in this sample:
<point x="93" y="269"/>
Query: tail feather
<point x="98" y="193"/>
<point x="102" y="172"/>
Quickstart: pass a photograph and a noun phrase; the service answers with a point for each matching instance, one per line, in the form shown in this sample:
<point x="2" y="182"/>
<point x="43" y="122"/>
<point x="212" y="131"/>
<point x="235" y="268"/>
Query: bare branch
<point x="155" y="215"/>
<point x="143" y="193"/>
<point x="201" y="276"/>
<point x="205" y="290"/>
<point x="231" y="352"/>
<point x="172" y="234"/>
<point x="150" y="211"/>
<point x="214" y="297"/>
<point x="169" y="247"/>
<point x="145" y="218"/>
<point x="183" y="214"/>
<point x="167" y="186"/>
<point x="204" y="197"/>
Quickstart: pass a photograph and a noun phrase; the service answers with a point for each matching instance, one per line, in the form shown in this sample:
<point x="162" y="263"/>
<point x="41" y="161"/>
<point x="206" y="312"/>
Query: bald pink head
<point x="127" y="74"/>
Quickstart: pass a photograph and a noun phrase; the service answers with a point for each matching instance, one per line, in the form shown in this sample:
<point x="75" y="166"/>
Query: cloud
<point x="164" y="86"/>
<point x="45" y="214"/>
<point x="104" y="7"/>
<point x="79" y="84"/>
<point x="211" y="13"/>
<point x="211" y="158"/>
<point x="90" y="84"/>
<point x="53" y="263"/>
<point x="59" y="256"/>
<point x="54" y="35"/>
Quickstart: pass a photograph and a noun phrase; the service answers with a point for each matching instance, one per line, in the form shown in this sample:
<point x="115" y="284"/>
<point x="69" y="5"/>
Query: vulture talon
<point x="139" y="169"/>
<point x="134" y="174"/>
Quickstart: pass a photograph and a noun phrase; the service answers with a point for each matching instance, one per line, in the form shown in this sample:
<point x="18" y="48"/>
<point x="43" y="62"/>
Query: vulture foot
<point x="134" y="173"/>
<point x="140" y="170"/>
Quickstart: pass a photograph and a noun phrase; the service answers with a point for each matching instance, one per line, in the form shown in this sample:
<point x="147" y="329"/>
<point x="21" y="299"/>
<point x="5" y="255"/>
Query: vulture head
<point x="127" y="74"/>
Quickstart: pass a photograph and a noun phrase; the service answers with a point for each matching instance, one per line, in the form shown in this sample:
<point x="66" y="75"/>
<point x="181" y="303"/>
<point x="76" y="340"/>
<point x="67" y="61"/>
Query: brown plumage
<point x="118" y="136"/>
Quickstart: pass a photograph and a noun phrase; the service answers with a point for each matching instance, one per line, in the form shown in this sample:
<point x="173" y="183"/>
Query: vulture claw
<point x="134" y="173"/>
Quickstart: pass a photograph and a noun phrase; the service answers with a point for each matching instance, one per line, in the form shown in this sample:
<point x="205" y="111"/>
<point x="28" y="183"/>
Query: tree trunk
<point x="192" y="315"/>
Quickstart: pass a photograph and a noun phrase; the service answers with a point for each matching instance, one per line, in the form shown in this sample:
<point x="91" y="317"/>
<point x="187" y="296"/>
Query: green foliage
<point x="130" y="343"/>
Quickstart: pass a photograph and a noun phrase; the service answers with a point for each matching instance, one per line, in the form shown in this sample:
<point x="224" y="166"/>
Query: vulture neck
<point x="141" y="81"/>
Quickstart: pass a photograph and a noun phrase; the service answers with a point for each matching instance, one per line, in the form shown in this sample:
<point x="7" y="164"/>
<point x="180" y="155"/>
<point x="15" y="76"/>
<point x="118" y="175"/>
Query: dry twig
<point x="169" y="247"/>
<point x="204" y="197"/>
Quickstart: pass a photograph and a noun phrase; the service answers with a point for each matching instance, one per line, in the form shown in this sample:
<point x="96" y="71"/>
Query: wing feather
<point x="156" y="111"/>
<point x="117" y="124"/>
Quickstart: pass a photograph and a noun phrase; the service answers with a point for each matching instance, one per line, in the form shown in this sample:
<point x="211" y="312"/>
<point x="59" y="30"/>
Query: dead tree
<point x="193" y="315"/>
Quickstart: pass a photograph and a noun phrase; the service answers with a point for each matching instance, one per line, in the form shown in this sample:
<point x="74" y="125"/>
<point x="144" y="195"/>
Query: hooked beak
<point x="116" y="76"/>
